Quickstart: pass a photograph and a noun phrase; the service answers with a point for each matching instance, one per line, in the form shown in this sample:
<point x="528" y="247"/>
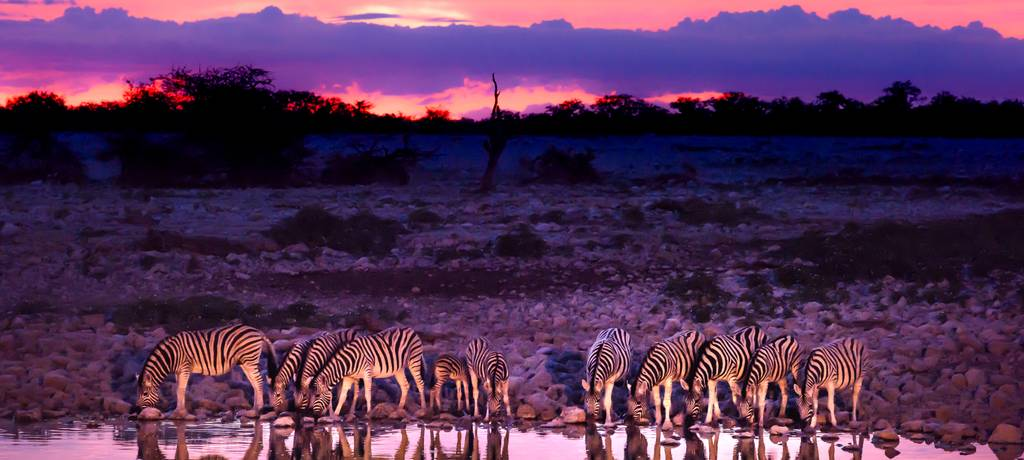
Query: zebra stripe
<point x="496" y="384"/>
<point x="289" y="372"/>
<point x="723" y="358"/>
<point x="666" y="362"/>
<point x="770" y="364"/>
<point x="751" y="337"/>
<point x="384" y="354"/>
<point x="487" y="368"/>
<point x="450" y="367"/>
<point x="835" y="366"/>
<point x="320" y="351"/>
<point x="207" y="352"/>
<point x="607" y="363"/>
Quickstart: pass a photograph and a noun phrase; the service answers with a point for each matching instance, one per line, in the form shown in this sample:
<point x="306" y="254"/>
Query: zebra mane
<point x="147" y="368"/>
<point x="592" y="372"/>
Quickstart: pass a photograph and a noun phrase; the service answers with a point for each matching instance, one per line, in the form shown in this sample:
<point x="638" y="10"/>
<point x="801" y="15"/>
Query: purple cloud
<point x="779" y="52"/>
<point x="368" y="16"/>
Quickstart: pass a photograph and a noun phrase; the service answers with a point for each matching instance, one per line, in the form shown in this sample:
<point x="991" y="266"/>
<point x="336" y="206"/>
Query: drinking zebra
<point x="723" y="358"/>
<point x="289" y="372"/>
<point x="206" y="352"/>
<point x="666" y="362"/>
<point x="771" y="362"/>
<point x="454" y="368"/>
<point x="607" y="363"/>
<point x="751" y="337"/>
<point x="384" y="354"/>
<point x="835" y="366"/>
<point x="489" y="368"/>
<point x="320" y="351"/>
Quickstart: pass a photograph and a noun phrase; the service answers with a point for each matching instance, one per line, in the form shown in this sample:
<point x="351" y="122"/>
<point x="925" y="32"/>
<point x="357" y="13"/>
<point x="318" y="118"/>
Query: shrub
<point x="424" y="216"/>
<point x="632" y="216"/>
<point x="165" y="241"/>
<point x="211" y="311"/>
<point x="372" y="165"/>
<point x="556" y="166"/>
<point x="554" y="216"/>
<point x="361" y="234"/>
<point x="145" y="163"/>
<point x="36" y="156"/>
<point x="522" y="243"/>
<point x="697" y="211"/>
<point x="699" y="290"/>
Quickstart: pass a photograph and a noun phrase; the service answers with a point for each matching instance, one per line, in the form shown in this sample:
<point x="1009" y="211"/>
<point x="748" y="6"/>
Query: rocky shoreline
<point x="94" y="277"/>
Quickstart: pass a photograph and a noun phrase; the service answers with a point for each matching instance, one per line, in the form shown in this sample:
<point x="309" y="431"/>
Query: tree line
<point x="218" y="103"/>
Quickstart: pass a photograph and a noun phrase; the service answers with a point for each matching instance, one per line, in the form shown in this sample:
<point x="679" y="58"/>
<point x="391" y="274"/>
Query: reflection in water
<point x="156" y="440"/>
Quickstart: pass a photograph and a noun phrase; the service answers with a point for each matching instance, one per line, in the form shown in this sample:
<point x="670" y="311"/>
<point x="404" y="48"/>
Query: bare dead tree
<point x="495" y="143"/>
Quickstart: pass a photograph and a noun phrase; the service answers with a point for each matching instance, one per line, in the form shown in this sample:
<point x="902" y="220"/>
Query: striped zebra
<point x="489" y="369"/>
<point x="607" y="363"/>
<point x="751" y="337"/>
<point x="384" y="354"/>
<point x="206" y="352"/>
<point x="723" y="358"/>
<point x="666" y="362"/>
<point x="454" y="368"/>
<point x="320" y="351"/>
<point x="289" y="372"/>
<point x="835" y="366"/>
<point x="770" y="364"/>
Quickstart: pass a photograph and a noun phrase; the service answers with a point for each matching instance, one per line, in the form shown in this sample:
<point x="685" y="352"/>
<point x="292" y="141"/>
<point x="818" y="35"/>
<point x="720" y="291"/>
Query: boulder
<point x="150" y="413"/>
<point x="975" y="377"/>
<point x="526" y="412"/>
<point x="913" y="426"/>
<point x="1006" y="434"/>
<point x="887" y="434"/>
<point x="778" y="430"/>
<point x="116" y="406"/>
<point x="57" y="380"/>
<point x="284" y="421"/>
<point x="29" y="415"/>
<point x="574" y="415"/>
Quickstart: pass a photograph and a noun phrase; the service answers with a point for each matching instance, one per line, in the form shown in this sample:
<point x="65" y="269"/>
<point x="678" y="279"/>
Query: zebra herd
<point x="745" y="359"/>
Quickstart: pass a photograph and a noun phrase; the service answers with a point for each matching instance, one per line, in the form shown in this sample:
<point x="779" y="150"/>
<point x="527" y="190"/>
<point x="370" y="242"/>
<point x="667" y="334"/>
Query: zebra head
<point x="805" y="403"/>
<point x="494" y="398"/>
<point x="693" y="403"/>
<point x="635" y="404"/>
<point x="301" y="394"/>
<point x="592" y="398"/>
<point x="277" y="396"/>
<point x="745" y="402"/>
<point x="149" y="392"/>
<point x="320" y="395"/>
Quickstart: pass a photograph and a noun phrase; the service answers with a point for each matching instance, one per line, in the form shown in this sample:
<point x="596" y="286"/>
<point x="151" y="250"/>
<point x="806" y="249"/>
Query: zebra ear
<point x="586" y="386"/>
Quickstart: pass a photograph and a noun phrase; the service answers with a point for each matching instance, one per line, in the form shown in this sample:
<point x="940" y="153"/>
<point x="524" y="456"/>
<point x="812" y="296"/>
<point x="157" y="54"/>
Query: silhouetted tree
<point x="900" y="96"/>
<point x="497" y="139"/>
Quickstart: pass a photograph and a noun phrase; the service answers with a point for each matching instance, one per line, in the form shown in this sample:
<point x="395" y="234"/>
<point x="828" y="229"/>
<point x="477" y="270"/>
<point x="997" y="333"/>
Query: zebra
<point x="384" y="354"/>
<point x="835" y="366"/>
<point x="751" y="337"/>
<point x="666" y="362"/>
<point x="490" y="368"/>
<point x="206" y="352"/>
<point x="770" y="364"/>
<point x="289" y="372"/>
<point x="607" y="363"/>
<point x="723" y="357"/>
<point x="320" y="351"/>
<point x="454" y="368"/>
<point x="496" y="384"/>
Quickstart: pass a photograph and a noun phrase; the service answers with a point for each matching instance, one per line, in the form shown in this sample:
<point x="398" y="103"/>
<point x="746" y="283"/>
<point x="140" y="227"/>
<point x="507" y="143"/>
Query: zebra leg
<point x="832" y="403"/>
<point x="666" y="408"/>
<point x="368" y="395"/>
<point x="856" y="396"/>
<point x="782" y="400"/>
<point x="252" y="372"/>
<point x="504" y="394"/>
<point x="762" y="391"/>
<point x="342" y="395"/>
<point x="474" y="393"/>
<point x="656" y="401"/>
<point x="712" y="400"/>
<point x="734" y="390"/>
<point x="814" y="410"/>
<point x="608" y="387"/>
<point x="355" y="399"/>
<point x="403" y="386"/>
<point x="416" y="369"/>
<point x="181" y="410"/>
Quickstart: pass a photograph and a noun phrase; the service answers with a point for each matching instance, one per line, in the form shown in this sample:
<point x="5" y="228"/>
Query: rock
<point x="975" y="378"/>
<point x="328" y="420"/>
<point x="556" y="423"/>
<point x="959" y="381"/>
<point x="1006" y="434"/>
<point x="268" y="416"/>
<point x="526" y="412"/>
<point x="57" y="380"/>
<point x="574" y="415"/>
<point x="887" y="434"/>
<point x="913" y="426"/>
<point x="9" y="229"/>
<point x="116" y="406"/>
<point x="284" y="421"/>
<point x="881" y="424"/>
<point x="29" y="415"/>
<point x="778" y="430"/>
<point x="150" y="413"/>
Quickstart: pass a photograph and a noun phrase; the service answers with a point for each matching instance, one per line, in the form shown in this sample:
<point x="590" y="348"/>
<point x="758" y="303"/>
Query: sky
<point x="409" y="54"/>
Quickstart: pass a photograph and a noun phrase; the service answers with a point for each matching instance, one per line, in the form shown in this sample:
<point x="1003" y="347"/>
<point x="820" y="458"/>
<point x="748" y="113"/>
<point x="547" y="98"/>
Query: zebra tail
<point x="272" y="365"/>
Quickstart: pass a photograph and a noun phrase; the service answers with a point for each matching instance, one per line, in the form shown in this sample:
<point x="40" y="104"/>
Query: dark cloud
<point x="368" y="16"/>
<point x="37" y="2"/>
<point x="779" y="52"/>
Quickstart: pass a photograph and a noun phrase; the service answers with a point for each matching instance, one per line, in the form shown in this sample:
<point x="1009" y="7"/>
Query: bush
<point x="154" y="164"/>
<point x="698" y="212"/>
<point x="39" y="156"/>
<point x="951" y="249"/>
<point x="360" y="234"/>
<point x="556" y="166"/>
<point x="522" y="243"/>
<point x="166" y="241"/>
<point x="554" y="216"/>
<point x="701" y="292"/>
<point x="211" y="311"/>
<point x="424" y="216"/>
<point x="372" y="165"/>
<point x="632" y="216"/>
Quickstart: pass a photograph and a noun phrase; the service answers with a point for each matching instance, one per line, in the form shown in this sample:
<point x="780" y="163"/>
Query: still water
<point x="157" y="440"/>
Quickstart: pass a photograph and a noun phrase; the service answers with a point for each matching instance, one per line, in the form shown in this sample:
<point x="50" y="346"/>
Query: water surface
<point x="155" y="440"/>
